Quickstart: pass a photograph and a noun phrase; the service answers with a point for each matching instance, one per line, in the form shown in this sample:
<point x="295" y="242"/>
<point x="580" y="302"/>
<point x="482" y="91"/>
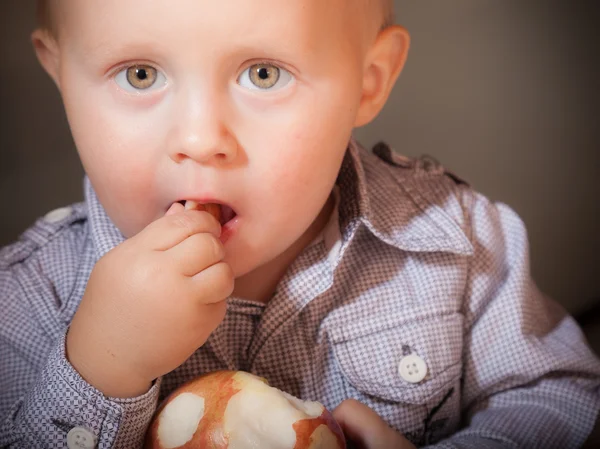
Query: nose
<point x="200" y="132"/>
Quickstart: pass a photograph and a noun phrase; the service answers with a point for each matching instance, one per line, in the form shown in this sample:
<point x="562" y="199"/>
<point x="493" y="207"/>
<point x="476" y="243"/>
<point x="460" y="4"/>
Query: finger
<point x="196" y="253"/>
<point x="211" y="316"/>
<point x="213" y="284"/>
<point x="350" y="416"/>
<point x="170" y="230"/>
<point x="213" y="209"/>
<point x="175" y="207"/>
<point x="363" y="426"/>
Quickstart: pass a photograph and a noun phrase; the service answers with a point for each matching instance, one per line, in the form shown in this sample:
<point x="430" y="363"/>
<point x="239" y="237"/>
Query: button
<point x="58" y="214"/>
<point x="80" y="438"/>
<point x="412" y="368"/>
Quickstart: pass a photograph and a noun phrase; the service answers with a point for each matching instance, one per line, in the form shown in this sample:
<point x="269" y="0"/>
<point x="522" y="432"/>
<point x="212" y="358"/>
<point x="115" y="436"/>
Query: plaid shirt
<point x="414" y="265"/>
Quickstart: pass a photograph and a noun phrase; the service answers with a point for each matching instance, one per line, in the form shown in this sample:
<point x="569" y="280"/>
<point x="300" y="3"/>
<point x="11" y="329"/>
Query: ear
<point x="383" y="64"/>
<point x="47" y="51"/>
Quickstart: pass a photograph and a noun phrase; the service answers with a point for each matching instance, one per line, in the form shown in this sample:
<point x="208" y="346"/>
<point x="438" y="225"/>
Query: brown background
<point x="504" y="93"/>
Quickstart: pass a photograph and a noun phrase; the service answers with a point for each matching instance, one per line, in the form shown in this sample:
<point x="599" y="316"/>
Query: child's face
<point x="192" y="122"/>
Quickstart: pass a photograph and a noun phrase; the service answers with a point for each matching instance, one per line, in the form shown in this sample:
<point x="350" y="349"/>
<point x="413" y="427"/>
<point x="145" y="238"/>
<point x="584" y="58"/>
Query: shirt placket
<point x="307" y="278"/>
<point x="231" y="340"/>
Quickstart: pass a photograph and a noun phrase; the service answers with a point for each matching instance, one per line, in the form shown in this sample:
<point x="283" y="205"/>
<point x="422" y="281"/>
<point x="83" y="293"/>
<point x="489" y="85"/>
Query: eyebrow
<point x="107" y="50"/>
<point x="107" y="53"/>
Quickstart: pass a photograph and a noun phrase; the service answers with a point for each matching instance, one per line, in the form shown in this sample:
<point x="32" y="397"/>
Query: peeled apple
<point x="237" y="410"/>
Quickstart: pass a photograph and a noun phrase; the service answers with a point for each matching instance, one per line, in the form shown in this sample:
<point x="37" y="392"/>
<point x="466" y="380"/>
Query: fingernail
<point x="173" y="209"/>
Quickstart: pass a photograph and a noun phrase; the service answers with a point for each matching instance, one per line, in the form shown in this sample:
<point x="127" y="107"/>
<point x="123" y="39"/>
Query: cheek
<point x="118" y="151"/>
<point x="106" y="139"/>
<point x="298" y="150"/>
<point x="295" y="186"/>
<point x="111" y="131"/>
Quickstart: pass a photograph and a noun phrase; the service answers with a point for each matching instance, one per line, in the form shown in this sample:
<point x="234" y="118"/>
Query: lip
<point x="229" y="229"/>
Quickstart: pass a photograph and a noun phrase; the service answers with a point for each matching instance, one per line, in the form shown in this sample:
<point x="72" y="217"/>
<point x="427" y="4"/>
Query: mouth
<point x="222" y="212"/>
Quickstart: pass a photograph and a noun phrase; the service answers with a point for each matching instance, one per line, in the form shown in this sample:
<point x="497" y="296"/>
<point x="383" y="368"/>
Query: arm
<point x="124" y="334"/>
<point x="41" y="396"/>
<point x="529" y="378"/>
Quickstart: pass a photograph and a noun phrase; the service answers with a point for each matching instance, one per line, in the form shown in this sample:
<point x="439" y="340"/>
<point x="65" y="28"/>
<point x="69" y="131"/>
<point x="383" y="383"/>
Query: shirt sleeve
<point x="42" y="397"/>
<point x="529" y="378"/>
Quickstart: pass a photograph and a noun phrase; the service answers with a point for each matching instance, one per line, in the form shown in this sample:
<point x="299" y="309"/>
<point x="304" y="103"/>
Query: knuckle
<point x="216" y="248"/>
<point x="183" y="221"/>
<point x="148" y="272"/>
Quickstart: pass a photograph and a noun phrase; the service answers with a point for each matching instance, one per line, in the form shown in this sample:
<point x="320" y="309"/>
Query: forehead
<point x="99" y="21"/>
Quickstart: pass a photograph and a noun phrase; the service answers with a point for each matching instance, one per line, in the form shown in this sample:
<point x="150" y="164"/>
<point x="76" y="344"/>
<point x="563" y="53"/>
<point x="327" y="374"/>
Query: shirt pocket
<point x="369" y="353"/>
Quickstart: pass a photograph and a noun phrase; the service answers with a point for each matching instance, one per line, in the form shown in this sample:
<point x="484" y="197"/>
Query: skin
<point x="365" y="429"/>
<point x="204" y="132"/>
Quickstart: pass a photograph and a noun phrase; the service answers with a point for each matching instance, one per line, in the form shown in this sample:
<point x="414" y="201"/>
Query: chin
<point x="237" y="410"/>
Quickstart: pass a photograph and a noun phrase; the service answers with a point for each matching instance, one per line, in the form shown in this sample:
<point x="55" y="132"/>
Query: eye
<point x="264" y="77"/>
<point x="139" y="78"/>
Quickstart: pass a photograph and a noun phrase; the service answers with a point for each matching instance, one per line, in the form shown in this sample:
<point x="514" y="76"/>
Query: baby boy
<point x="381" y="286"/>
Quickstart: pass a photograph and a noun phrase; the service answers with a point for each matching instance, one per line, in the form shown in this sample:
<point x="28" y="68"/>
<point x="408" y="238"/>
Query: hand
<point x="364" y="429"/>
<point x="150" y="303"/>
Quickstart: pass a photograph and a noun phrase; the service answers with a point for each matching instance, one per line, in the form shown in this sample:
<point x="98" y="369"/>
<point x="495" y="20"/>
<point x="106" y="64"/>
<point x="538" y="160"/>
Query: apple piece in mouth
<point x="238" y="410"/>
<point x="221" y="212"/>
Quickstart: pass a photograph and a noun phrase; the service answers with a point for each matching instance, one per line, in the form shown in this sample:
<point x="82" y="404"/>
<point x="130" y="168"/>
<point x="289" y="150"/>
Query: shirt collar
<point x="370" y="193"/>
<point x="105" y="234"/>
<point x="395" y="207"/>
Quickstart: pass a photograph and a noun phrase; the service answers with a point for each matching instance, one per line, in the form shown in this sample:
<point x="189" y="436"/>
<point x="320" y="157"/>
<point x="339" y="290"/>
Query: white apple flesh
<point x="237" y="410"/>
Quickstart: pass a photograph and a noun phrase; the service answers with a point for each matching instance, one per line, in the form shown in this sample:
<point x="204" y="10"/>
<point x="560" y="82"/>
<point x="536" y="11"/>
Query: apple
<point x="238" y="410"/>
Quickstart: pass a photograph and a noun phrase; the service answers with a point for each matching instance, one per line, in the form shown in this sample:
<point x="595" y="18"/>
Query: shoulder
<point x="418" y="198"/>
<point x="423" y="176"/>
<point x="38" y="279"/>
<point x="60" y="228"/>
<point x="445" y="198"/>
<point x="48" y="266"/>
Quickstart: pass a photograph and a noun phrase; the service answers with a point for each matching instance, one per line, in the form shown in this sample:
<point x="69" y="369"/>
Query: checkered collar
<point x="393" y="203"/>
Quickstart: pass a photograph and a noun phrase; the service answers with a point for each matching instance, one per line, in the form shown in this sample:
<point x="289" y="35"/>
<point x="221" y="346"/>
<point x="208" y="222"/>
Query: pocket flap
<point x="369" y="353"/>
